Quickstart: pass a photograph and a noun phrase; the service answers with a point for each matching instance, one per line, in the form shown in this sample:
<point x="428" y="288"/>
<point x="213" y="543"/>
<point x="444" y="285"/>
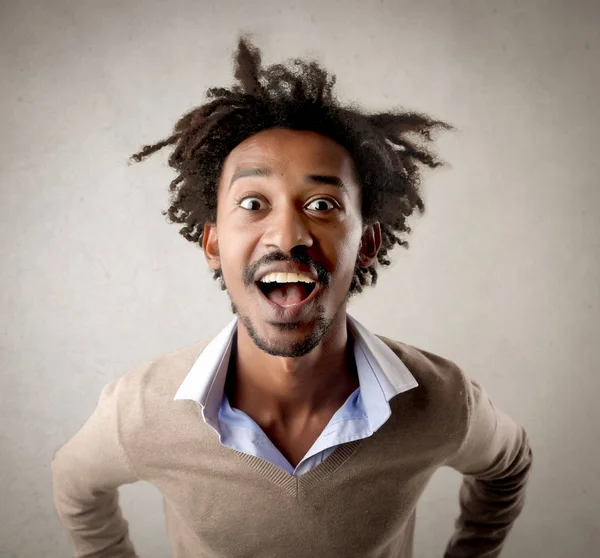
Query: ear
<point x="370" y="244"/>
<point x="210" y="245"/>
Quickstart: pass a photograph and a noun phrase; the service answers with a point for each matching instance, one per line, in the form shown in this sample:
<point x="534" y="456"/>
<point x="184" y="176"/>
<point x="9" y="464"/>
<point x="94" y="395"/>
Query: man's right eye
<point x="251" y="203"/>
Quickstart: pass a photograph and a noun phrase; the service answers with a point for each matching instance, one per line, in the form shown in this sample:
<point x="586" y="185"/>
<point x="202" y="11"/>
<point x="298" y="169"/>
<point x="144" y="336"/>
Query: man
<point x="296" y="432"/>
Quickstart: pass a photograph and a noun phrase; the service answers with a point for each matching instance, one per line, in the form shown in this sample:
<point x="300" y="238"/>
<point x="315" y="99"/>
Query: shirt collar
<point x="205" y="381"/>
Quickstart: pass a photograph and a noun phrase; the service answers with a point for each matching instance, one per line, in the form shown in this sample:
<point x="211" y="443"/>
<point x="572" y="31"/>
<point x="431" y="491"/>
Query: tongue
<point x="287" y="294"/>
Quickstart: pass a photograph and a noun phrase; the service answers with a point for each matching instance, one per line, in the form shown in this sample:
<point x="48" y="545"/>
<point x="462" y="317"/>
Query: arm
<point x="86" y="472"/>
<point x="496" y="459"/>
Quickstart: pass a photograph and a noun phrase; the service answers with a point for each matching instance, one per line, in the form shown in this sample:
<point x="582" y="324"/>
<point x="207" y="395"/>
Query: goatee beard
<point x="292" y="350"/>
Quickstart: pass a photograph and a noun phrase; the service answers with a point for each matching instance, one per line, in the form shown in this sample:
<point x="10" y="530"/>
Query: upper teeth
<point x="287" y="278"/>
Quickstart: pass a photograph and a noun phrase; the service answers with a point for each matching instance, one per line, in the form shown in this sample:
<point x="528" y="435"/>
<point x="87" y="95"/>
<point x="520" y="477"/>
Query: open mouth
<point x="286" y="294"/>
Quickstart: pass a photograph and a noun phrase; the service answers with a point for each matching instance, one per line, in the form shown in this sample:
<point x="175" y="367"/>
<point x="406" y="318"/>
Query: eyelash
<point x="239" y="200"/>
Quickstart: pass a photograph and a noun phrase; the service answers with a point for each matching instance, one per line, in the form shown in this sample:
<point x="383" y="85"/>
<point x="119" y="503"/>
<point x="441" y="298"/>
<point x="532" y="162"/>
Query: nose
<point x="287" y="228"/>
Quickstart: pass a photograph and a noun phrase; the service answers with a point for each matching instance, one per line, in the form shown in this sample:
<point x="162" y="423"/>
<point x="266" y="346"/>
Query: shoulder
<point x="440" y="402"/>
<point x="434" y="372"/>
<point x="163" y="374"/>
<point x="136" y="409"/>
<point x="145" y="391"/>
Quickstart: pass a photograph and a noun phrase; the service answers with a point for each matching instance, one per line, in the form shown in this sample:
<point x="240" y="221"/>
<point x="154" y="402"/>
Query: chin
<point x="287" y="339"/>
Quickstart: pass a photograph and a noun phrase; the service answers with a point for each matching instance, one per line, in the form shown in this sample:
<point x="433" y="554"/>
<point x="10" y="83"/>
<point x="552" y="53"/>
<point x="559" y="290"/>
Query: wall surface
<point x="502" y="275"/>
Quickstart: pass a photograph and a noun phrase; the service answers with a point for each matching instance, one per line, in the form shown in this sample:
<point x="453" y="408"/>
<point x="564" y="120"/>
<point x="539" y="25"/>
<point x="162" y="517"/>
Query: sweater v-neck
<point x="294" y="484"/>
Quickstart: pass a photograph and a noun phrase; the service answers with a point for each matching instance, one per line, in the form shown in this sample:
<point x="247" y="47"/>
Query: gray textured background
<point x="502" y="275"/>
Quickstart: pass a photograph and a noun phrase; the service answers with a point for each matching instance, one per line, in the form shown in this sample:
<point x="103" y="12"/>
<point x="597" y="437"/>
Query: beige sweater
<point x="359" y="502"/>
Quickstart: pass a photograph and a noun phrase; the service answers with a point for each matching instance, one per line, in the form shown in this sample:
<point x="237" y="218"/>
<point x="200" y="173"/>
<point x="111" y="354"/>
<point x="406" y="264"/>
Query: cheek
<point x="237" y="249"/>
<point x="346" y="253"/>
<point x="233" y="253"/>
<point x="349" y="257"/>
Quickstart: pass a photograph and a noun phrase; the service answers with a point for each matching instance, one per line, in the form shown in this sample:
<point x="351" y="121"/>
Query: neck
<point x="282" y="390"/>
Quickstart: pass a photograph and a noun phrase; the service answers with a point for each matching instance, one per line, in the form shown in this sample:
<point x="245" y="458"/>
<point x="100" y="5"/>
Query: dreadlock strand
<point x="148" y="150"/>
<point x="247" y="67"/>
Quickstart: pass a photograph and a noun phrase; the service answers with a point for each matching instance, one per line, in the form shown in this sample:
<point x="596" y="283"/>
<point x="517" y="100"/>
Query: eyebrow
<point x="326" y="179"/>
<point x="241" y="173"/>
<point x="318" y="178"/>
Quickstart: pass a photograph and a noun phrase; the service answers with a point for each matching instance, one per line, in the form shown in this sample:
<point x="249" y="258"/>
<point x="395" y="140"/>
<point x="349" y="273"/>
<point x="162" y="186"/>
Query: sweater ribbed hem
<point x="294" y="484"/>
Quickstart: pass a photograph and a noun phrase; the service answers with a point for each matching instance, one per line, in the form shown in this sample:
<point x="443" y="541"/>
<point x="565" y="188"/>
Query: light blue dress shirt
<point x="381" y="375"/>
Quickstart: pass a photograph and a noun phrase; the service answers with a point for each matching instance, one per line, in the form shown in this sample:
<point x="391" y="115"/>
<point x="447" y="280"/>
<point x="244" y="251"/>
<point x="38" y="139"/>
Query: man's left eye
<point x="321" y="205"/>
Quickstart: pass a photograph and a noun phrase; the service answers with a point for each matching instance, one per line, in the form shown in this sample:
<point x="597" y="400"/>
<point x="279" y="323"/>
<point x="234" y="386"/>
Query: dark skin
<point x="292" y="398"/>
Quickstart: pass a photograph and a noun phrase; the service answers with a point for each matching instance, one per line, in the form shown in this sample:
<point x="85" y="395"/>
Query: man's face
<point x="288" y="203"/>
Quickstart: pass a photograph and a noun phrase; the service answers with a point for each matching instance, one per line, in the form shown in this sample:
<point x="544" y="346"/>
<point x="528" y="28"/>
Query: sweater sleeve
<point x="86" y="472"/>
<point x="495" y="458"/>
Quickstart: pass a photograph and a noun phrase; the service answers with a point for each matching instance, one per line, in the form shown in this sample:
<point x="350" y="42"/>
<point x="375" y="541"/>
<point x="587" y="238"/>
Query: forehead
<point x="285" y="148"/>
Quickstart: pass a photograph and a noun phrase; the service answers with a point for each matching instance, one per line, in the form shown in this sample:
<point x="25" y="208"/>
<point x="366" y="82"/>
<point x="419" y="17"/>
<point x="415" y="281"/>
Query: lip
<point x="289" y="313"/>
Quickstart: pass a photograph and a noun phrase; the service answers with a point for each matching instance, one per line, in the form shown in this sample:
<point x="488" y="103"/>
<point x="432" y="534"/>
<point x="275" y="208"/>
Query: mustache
<point x="298" y="257"/>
